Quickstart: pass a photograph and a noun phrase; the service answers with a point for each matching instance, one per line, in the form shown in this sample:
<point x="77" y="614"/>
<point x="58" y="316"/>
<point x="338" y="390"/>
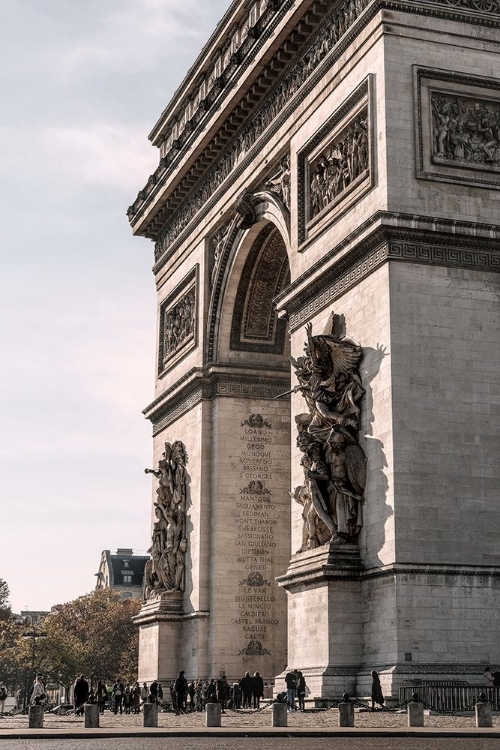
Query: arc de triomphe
<point x="326" y="416"/>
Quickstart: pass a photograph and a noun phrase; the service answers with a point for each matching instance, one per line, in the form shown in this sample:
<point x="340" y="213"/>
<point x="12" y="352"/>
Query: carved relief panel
<point x="458" y="128"/>
<point x="335" y="167"/>
<point x="178" y="313"/>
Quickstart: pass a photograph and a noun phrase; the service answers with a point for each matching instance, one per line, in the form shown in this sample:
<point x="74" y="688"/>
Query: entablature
<point x="217" y="138"/>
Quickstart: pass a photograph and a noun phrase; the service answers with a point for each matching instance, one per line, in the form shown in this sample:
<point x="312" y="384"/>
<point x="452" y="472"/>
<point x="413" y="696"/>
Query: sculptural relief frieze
<point x="177" y="323"/>
<point x="165" y="570"/>
<point x="339" y="165"/>
<point x="466" y="130"/>
<point x="279" y="182"/>
<point x="333" y="461"/>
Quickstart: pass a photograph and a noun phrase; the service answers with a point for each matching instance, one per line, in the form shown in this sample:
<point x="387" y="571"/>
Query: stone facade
<point x="331" y="157"/>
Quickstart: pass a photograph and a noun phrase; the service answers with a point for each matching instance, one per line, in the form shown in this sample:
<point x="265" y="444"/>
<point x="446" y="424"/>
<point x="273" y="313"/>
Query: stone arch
<point x="246" y="238"/>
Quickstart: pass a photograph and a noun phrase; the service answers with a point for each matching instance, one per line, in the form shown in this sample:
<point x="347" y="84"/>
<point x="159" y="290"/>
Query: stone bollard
<point x="483" y="712"/>
<point x="150" y="714"/>
<point x="35" y="720"/>
<point x="91" y="716"/>
<point x="346" y="712"/>
<point x="280" y="715"/>
<point x="415" y="712"/>
<point x="213" y="714"/>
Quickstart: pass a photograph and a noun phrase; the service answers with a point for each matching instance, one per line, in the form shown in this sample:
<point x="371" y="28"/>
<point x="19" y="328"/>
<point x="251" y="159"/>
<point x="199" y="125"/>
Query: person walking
<point x="81" y="694"/>
<point x="222" y="692"/>
<point x="117" y="694"/>
<point x="246" y="685"/>
<point x="38" y="692"/>
<point x="377" y="695"/>
<point x="102" y="695"/>
<point x="181" y="691"/>
<point x="3" y="698"/>
<point x="301" y="691"/>
<point x="144" y="692"/>
<point x="257" y="689"/>
<point x="237" y="696"/>
<point x="291" y="688"/>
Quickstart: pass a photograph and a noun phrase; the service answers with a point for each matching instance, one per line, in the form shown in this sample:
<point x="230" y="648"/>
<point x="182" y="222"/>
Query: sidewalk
<point x="250" y="724"/>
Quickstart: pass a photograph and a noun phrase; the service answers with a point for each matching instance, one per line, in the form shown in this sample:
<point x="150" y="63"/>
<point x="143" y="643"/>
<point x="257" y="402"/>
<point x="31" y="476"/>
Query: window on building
<point x="125" y="563"/>
<point x="127" y="578"/>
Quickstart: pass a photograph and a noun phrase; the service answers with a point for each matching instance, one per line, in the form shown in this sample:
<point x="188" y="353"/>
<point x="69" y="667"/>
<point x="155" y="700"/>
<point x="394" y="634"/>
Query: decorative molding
<point x="457" y="128"/>
<point x="178" y="322"/>
<point x="212" y="386"/>
<point x="387" y="243"/>
<point x="317" y="49"/>
<point x="336" y="166"/>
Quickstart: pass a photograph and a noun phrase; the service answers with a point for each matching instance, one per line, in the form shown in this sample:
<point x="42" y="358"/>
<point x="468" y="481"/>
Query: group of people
<point x="121" y="698"/>
<point x="295" y="689"/>
<point x="193" y="696"/>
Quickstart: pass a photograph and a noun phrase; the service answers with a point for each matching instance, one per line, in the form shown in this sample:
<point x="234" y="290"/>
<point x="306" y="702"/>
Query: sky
<point x="83" y="82"/>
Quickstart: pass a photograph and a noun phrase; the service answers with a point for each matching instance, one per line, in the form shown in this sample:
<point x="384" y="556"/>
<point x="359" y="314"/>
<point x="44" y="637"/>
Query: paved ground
<point x="242" y="743"/>
<point x="74" y="737"/>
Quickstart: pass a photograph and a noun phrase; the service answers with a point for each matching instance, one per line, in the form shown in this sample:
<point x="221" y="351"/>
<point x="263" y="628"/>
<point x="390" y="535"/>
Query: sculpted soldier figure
<point x="165" y="569"/>
<point x="334" y="462"/>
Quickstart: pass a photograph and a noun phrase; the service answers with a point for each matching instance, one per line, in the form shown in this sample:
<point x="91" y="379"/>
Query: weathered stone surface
<point x="214" y="713"/>
<point x="35" y="717"/>
<point x="91" y="716"/>
<point x="150" y="711"/>
<point x="280" y="715"/>
<point x="415" y="714"/>
<point x="346" y="714"/>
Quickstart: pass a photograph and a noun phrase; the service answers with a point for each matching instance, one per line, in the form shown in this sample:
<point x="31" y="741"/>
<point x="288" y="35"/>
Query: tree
<point x="93" y="635"/>
<point x="5" y="610"/>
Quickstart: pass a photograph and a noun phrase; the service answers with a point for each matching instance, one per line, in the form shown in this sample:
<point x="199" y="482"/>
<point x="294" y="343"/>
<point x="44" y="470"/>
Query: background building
<point x="122" y="571"/>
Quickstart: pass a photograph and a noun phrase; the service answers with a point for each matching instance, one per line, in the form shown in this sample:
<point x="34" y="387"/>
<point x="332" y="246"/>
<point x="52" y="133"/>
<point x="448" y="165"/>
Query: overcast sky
<point x="83" y="82"/>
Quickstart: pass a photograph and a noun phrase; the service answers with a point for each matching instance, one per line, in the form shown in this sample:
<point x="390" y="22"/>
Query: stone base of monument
<point x="91" y="716"/>
<point x="325" y="631"/>
<point x="35" y="717"/>
<point x="163" y="633"/>
<point x="280" y="715"/>
<point x="213" y="718"/>
<point x="150" y="711"/>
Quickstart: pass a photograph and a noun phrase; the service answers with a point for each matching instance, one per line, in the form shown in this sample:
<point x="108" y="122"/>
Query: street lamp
<point x="33" y="634"/>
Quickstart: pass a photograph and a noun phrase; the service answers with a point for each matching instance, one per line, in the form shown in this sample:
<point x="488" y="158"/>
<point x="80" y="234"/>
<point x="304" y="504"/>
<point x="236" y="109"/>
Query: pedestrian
<point x="136" y="698"/>
<point x="191" y="693"/>
<point x="211" y="692"/>
<point x="117" y="695"/>
<point x="222" y="692"/>
<point x="153" y="692"/>
<point x="198" y="695"/>
<point x="102" y="695"/>
<point x="237" y="696"/>
<point x="377" y="696"/>
<point x="181" y="690"/>
<point x="246" y="684"/>
<point x="144" y="692"/>
<point x="488" y="678"/>
<point x="291" y="687"/>
<point x="19" y="699"/>
<point x="301" y="691"/>
<point x="38" y="692"/>
<point x="257" y="689"/>
<point x="81" y="694"/>
<point x="160" y="694"/>
<point x="3" y="698"/>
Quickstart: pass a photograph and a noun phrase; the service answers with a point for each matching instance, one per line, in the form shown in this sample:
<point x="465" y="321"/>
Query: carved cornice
<point x="166" y="409"/>
<point x="428" y="244"/>
<point x="353" y="16"/>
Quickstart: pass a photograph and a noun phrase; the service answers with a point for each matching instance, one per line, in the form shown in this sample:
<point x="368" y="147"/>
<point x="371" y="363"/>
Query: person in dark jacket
<point x="102" y="695"/>
<point x="377" y="696"/>
<point x="246" y="685"/>
<point x="181" y="691"/>
<point x="222" y="692"/>
<point x="118" y="693"/>
<point x="291" y="688"/>
<point x="237" y="695"/>
<point x="301" y="691"/>
<point x="81" y="693"/>
<point x="258" y="689"/>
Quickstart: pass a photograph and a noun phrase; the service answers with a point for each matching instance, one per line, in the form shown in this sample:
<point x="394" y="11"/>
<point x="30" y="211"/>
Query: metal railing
<point x="450" y="697"/>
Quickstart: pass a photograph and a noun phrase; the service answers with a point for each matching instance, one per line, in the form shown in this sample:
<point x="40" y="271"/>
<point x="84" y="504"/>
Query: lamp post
<point x="33" y="634"/>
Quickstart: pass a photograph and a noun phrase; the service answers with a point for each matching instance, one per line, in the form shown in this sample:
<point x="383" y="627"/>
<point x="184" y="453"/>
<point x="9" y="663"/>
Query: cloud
<point x="103" y="153"/>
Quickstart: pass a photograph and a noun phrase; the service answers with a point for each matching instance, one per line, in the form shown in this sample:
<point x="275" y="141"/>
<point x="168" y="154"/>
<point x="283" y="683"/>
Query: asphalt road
<point x="257" y="743"/>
